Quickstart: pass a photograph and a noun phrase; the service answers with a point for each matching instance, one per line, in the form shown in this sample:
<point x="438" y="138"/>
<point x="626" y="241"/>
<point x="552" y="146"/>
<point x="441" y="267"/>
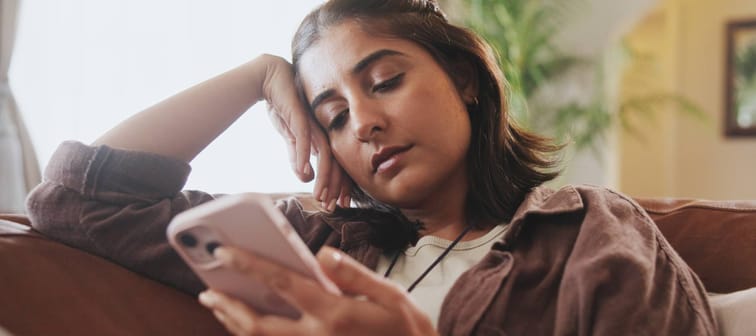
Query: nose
<point x="368" y="119"/>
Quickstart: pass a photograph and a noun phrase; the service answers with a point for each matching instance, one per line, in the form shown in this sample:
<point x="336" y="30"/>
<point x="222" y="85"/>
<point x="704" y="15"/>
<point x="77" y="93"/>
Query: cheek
<point x="348" y="157"/>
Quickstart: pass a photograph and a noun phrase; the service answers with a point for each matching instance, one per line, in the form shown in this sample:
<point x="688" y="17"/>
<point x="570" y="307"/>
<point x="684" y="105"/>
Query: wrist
<point x="264" y="69"/>
<point x="256" y="72"/>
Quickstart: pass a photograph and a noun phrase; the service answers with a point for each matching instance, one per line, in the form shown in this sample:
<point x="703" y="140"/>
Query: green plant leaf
<point x="522" y="31"/>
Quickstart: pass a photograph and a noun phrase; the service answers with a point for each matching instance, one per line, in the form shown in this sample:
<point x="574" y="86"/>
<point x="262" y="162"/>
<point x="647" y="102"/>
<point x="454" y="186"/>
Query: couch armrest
<point x="51" y="289"/>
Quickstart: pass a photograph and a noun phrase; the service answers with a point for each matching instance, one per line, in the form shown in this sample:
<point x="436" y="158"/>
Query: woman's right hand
<point x="182" y="125"/>
<point x="303" y="135"/>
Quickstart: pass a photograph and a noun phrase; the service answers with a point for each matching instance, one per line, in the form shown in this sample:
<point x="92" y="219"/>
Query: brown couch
<point x="48" y="288"/>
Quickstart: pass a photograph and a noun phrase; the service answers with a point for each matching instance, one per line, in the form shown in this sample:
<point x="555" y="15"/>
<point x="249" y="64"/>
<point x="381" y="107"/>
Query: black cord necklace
<point x="432" y="265"/>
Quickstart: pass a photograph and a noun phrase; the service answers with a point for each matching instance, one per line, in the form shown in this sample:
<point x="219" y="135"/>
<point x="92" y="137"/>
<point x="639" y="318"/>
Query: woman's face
<point x="395" y="119"/>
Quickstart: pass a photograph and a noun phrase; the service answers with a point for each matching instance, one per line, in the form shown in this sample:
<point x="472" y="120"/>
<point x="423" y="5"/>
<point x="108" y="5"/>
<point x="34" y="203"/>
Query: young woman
<point x="451" y="233"/>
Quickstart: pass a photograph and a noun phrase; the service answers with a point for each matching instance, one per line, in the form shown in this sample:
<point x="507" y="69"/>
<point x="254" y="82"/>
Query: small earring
<point x="473" y="104"/>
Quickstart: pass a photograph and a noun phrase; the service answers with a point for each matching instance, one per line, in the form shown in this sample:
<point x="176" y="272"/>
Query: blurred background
<point x="639" y="89"/>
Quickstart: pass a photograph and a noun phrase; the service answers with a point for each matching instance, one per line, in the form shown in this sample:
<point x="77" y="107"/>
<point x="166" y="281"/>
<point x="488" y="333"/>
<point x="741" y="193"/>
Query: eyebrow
<point x="359" y="67"/>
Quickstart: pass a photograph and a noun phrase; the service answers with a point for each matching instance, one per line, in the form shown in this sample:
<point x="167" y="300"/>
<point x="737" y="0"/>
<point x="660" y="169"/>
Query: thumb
<point x="355" y="279"/>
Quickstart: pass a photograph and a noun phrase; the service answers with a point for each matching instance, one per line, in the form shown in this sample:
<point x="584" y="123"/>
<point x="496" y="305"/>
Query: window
<point x="82" y="66"/>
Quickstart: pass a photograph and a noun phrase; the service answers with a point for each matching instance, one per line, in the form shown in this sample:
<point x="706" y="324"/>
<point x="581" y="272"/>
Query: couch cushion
<point x="735" y="312"/>
<point x="52" y="289"/>
<point x="716" y="238"/>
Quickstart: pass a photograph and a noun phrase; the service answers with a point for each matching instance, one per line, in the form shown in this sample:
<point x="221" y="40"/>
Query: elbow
<point x="52" y="208"/>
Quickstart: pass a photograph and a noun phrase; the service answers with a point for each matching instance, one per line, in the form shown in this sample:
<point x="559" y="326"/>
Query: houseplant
<point x="523" y="33"/>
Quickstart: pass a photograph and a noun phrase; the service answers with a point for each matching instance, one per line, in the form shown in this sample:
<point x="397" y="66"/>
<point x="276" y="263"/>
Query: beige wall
<point x="679" y="155"/>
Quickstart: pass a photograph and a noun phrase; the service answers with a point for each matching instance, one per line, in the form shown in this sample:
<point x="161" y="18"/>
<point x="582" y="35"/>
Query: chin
<point x="404" y="195"/>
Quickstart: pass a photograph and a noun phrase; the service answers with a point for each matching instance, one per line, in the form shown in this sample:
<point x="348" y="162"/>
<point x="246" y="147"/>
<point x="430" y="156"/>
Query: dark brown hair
<point x="505" y="161"/>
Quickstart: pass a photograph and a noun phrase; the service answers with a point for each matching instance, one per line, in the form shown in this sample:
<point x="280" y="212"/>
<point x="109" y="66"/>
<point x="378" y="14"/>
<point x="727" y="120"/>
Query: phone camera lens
<point x="211" y="246"/>
<point x="188" y="240"/>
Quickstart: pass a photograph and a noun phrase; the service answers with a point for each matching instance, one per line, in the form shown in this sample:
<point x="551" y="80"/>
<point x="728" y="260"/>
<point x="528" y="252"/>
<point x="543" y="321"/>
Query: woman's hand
<point x="370" y="304"/>
<point x="302" y="134"/>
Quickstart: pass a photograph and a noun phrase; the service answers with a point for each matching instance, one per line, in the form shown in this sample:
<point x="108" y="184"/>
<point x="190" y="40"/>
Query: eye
<point x="388" y="84"/>
<point x="338" y="121"/>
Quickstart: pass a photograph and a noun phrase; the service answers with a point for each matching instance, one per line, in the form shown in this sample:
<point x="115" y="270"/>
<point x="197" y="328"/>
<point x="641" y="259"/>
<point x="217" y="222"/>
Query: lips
<point x="386" y="153"/>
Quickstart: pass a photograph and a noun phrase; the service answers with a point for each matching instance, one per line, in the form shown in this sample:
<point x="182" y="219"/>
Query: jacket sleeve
<point x="623" y="278"/>
<point x="117" y="204"/>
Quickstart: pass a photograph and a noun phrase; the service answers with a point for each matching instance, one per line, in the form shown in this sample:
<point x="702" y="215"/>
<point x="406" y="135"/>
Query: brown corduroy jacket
<point x="578" y="261"/>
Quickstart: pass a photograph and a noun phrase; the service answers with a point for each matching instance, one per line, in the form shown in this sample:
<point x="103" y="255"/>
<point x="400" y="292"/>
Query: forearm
<point x="183" y="125"/>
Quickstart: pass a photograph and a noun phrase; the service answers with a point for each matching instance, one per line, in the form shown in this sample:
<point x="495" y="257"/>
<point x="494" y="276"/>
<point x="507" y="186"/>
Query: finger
<point x="236" y="316"/>
<point x="303" y="293"/>
<point x="275" y="325"/>
<point x="346" y="192"/>
<point x="290" y="141"/>
<point x="319" y="137"/>
<point x="300" y="126"/>
<point x="318" y="142"/>
<point x="335" y="182"/>
<point x="346" y="188"/>
<point x="281" y="92"/>
<point x="232" y="314"/>
<point x="297" y="138"/>
<point x="355" y="279"/>
<point x="324" y="170"/>
<point x="229" y="324"/>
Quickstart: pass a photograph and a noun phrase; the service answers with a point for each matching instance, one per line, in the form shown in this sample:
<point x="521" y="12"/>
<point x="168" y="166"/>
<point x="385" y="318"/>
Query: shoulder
<point x="614" y="234"/>
<point x="611" y="217"/>
<point x="618" y="218"/>
<point x="593" y="201"/>
<point x="603" y="199"/>
<point x="589" y="221"/>
<point x="617" y="245"/>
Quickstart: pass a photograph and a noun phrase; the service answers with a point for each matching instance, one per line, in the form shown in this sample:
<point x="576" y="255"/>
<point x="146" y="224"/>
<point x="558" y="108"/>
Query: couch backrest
<point x="716" y="238"/>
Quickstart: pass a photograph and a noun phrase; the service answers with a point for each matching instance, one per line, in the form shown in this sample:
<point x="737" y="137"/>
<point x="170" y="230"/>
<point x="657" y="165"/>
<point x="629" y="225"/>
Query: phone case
<point x="250" y="222"/>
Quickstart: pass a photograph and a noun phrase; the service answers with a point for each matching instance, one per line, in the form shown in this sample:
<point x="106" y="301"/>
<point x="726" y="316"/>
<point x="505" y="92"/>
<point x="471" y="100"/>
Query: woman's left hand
<point x="369" y="305"/>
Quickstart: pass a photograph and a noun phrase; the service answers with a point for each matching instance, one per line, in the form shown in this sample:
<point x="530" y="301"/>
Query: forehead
<point x="330" y="60"/>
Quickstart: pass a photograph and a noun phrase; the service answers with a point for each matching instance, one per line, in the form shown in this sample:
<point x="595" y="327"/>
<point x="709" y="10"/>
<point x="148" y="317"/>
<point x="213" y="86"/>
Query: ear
<point x="465" y="76"/>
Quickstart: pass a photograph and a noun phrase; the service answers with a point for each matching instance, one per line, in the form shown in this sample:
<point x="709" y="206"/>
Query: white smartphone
<point x="250" y="222"/>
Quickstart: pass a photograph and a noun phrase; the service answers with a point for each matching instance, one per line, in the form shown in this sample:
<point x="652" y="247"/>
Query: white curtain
<point x="19" y="170"/>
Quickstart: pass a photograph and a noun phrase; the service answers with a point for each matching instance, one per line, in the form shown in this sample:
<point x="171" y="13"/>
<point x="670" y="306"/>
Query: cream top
<point x="429" y="294"/>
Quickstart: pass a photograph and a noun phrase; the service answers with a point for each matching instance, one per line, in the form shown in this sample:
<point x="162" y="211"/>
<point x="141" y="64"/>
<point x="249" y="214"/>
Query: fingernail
<point x="322" y="196"/>
<point x="347" y="202"/>
<point x="332" y="205"/>
<point x="307" y="169"/>
<point x="223" y="255"/>
<point x="332" y="260"/>
<point x="207" y="298"/>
